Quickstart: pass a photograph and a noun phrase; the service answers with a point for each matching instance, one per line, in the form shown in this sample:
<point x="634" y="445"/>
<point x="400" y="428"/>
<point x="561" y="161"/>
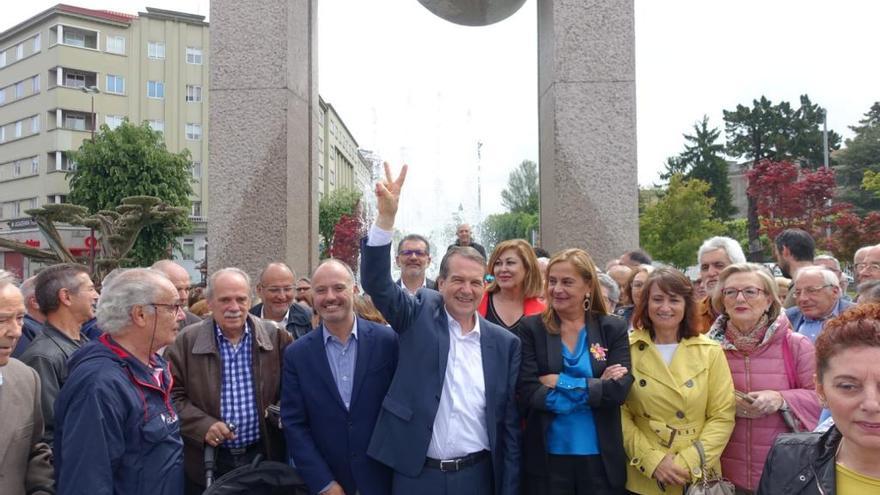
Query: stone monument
<point x="263" y="145"/>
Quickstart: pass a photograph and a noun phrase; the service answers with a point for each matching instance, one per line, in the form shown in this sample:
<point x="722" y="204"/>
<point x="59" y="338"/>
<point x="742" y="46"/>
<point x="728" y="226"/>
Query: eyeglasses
<point x="812" y="291"/>
<point x="302" y="289"/>
<point x="175" y="308"/>
<point x="748" y="293"/>
<point x="871" y="267"/>
<point x="413" y="252"/>
<point x="278" y="290"/>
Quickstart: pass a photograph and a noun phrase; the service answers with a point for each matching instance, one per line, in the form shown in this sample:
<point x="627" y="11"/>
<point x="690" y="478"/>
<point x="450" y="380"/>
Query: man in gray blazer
<point x="25" y="461"/>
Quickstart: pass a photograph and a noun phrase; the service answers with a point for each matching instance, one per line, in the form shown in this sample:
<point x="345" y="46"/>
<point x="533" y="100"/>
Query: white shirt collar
<point x="281" y="324"/>
<point x="455" y="326"/>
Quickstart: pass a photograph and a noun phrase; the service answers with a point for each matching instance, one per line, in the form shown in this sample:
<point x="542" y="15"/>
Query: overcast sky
<point x="415" y="88"/>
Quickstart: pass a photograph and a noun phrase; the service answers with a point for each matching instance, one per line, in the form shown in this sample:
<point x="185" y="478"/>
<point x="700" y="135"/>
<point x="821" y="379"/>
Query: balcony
<point x="72" y="78"/>
<point x="73" y="36"/>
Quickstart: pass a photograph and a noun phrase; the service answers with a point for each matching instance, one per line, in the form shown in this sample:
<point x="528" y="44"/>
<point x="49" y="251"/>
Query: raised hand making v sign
<point x="388" y="197"/>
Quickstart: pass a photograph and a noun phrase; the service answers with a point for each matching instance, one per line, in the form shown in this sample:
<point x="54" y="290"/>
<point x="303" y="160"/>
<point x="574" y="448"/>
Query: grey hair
<point x="134" y="287"/>
<point x="861" y="250"/>
<point x="6" y="278"/>
<point x="606" y="281"/>
<point x="828" y="276"/>
<point x="28" y="287"/>
<point x="466" y="252"/>
<point x="730" y="246"/>
<point x="209" y="290"/>
<point x="828" y="257"/>
<point x="115" y="273"/>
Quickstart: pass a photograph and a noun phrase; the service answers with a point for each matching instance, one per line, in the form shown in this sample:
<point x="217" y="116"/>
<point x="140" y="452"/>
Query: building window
<point x="113" y="121"/>
<point x="35" y="86"/>
<point x="193" y="93"/>
<point x="37" y="42"/>
<point x="18" y="128"/>
<point x="196" y="170"/>
<point x="56" y="198"/>
<point x="76" y="122"/>
<point x="35" y="124"/>
<point x="194" y="132"/>
<point x="194" y="56"/>
<point x="2" y="134"/>
<point x="156" y="89"/>
<point x="16" y="168"/>
<point x="196" y="209"/>
<point x="157" y="125"/>
<point x="19" y="89"/>
<point x="3" y="59"/>
<point x="74" y="37"/>
<point x="115" y="84"/>
<point x="74" y="79"/>
<point x="19" y="51"/>
<point x="2" y="96"/>
<point x="16" y="209"/>
<point x="187" y="250"/>
<point x="116" y="44"/>
<point x="156" y="49"/>
<point x="35" y="165"/>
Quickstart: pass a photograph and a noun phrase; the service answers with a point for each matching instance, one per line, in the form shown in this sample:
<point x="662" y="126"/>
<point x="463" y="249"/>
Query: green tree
<point x="776" y="132"/>
<point x="511" y="225"/>
<point x="871" y="183"/>
<point x="521" y="194"/>
<point x="133" y="161"/>
<point x="331" y="208"/>
<point x="702" y="159"/>
<point x="861" y="155"/>
<point x="673" y="229"/>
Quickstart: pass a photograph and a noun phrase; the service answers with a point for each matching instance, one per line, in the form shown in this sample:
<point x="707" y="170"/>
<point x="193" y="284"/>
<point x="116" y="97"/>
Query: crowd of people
<point x="530" y="374"/>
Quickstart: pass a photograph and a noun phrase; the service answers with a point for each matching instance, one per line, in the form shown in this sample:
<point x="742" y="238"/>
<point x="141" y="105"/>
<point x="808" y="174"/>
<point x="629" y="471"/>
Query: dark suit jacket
<point x="403" y="431"/>
<point x="299" y="320"/>
<point x="541" y="355"/>
<point x="327" y="441"/>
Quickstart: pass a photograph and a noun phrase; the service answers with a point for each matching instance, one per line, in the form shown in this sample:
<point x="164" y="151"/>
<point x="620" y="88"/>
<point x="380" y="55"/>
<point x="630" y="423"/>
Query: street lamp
<point x="92" y="91"/>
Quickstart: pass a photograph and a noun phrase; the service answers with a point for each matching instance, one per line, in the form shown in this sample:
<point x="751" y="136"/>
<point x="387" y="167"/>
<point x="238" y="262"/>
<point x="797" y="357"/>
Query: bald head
<point x="178" y="276"/>
<point x="333" y="289"/>
<point x="276" y="289"/>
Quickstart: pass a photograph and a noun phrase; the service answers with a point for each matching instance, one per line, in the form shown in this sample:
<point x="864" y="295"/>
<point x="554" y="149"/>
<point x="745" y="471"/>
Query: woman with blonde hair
<point x="573" y="378"/>
<point x="514" y="292"/>
<point x="772" y="370"/>
<point x="681" y="408"/>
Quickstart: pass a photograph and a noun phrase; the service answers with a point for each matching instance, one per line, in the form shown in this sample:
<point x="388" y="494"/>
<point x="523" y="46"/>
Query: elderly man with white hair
<point x="817" y="295"/>
<point x="25" y="462"/>
<point x="714" y="255"/>
<point x="227" y="371"/>
<point x="116" y="430"/>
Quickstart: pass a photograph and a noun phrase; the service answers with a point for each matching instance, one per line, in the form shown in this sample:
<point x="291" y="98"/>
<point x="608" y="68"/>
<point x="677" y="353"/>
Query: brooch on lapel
<point x="598" y="352"/>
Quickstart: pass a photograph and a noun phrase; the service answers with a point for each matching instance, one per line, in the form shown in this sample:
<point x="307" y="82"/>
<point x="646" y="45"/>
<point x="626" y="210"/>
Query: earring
<point x="588" y="303"/>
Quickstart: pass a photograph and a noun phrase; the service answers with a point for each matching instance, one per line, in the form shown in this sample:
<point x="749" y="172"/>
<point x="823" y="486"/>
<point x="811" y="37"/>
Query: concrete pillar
<point x="264" y="77"/>
<point x="587" y="126"/>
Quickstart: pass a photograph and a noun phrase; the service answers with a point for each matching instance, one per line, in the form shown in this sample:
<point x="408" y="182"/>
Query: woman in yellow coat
<point x="682" y="393"/>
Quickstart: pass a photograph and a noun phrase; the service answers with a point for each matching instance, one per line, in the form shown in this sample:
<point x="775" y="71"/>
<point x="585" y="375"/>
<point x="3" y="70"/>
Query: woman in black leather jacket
<point x="843" y="460"/>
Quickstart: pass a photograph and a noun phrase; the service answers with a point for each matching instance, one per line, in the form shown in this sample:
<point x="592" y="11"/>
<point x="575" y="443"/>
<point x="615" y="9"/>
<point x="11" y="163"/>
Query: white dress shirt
<point x="460" y="424"/>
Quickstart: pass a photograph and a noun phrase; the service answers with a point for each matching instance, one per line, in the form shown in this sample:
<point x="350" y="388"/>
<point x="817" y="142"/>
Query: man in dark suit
<point x="413" y="259"/>
<point x="448" y="424"/>
<point x="332" y="389"/>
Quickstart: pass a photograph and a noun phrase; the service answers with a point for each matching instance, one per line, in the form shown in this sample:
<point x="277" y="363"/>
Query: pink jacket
<point x="764" y="369"/>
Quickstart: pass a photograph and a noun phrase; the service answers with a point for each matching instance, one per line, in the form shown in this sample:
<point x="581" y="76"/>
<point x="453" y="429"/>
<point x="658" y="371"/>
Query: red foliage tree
<point x="346" y="240"/>
<point x="789" y="196"/>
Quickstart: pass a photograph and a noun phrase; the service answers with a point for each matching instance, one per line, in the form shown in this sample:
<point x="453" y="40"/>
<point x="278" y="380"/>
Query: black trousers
<point x="572" y="475"/>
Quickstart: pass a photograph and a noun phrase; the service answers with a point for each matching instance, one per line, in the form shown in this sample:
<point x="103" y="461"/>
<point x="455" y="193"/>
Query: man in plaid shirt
<point x="226" y="372"/>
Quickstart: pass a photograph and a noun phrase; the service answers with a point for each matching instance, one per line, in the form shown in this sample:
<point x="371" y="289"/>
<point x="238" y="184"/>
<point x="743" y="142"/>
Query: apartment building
<point x="341" y="165"/>
<point x="66" y="71"/>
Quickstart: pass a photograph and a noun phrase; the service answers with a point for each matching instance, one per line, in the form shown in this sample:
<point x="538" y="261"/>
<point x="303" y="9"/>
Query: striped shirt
<point x="238" y="402"/>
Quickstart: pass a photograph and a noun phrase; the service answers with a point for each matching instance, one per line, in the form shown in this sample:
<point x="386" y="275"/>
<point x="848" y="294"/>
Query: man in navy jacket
<point x="332" y="389"/>
<point x="448" y="424"/>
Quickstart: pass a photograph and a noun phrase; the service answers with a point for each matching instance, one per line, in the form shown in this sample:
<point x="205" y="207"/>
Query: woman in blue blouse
<point x="573" y="379"/>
